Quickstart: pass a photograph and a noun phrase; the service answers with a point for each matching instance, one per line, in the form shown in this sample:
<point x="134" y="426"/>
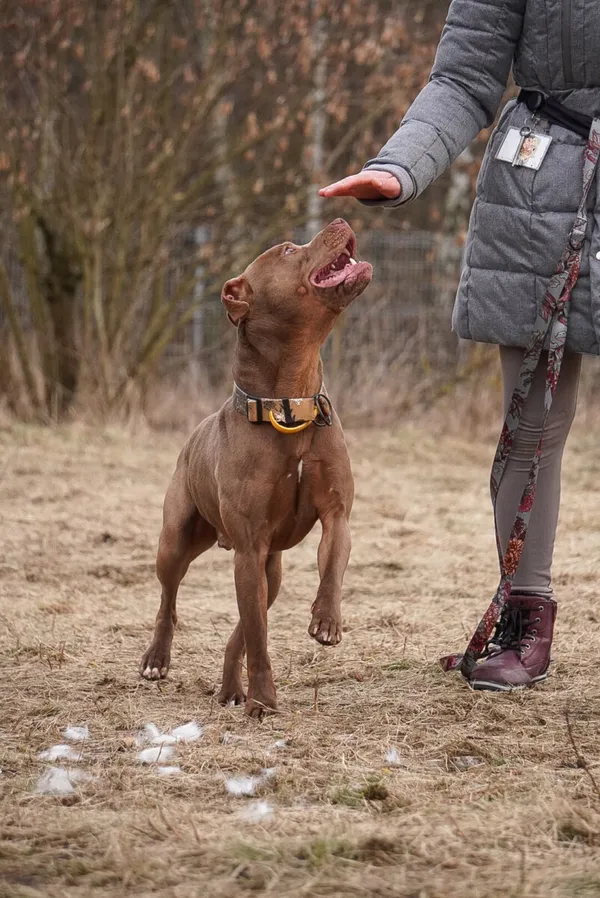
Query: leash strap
<point x="551" y="323"/>
<point x="556" y="112"/>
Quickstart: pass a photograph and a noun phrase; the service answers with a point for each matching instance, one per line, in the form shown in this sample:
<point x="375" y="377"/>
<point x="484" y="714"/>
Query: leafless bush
<point x="148" y="150"/>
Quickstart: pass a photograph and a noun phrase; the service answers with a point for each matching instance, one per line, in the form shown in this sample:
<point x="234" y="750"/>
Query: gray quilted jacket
<point x="521" y="217"/>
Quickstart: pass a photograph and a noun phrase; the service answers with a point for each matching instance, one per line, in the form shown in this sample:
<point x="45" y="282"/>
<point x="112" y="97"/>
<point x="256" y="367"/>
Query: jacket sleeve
<point x="466" y="85"/>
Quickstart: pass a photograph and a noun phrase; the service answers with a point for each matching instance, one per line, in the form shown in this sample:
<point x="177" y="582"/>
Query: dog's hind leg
<point x="232" y="689"/>
<point x="184" y="536"/>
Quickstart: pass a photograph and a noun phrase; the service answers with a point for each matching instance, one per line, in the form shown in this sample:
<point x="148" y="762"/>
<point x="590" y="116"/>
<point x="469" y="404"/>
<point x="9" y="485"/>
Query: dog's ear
<point x="236" y="296"/>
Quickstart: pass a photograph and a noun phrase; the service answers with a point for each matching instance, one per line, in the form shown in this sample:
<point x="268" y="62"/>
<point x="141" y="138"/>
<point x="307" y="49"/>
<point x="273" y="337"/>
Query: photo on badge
<point x="532" y="151"/>
<point x="525" y="150"/>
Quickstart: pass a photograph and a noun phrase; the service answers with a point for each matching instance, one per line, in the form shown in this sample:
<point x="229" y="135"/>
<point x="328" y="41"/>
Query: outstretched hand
<point x="367" y="185"/>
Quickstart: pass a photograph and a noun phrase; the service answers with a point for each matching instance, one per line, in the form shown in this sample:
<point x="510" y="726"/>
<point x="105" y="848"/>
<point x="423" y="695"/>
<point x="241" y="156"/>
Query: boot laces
<point x="515" y="629"/>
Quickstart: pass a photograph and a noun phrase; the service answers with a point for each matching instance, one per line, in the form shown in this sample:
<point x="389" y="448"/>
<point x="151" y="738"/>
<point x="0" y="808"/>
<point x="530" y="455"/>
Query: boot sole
<point x="487" y="686"/>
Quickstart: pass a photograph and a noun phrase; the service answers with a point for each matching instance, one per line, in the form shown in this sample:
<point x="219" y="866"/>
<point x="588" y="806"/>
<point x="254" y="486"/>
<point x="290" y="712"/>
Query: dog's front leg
<point x="334" y="552"/>
<point x="232" y="689"/>
<point x="252" y="592"/>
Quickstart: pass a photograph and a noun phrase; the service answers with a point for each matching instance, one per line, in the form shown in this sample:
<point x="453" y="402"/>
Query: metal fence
<point x="404" y="314"/>
<point x="405" y="311"/>
<point x="400" y="327"/>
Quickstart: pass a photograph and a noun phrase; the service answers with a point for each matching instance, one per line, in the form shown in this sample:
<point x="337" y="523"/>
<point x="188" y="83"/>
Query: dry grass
<point x="80" y="512"/>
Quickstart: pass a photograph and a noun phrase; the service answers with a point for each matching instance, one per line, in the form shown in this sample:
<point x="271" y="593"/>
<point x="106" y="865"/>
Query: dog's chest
<point x="295" y="512"/>
<point x="298" y="472"/>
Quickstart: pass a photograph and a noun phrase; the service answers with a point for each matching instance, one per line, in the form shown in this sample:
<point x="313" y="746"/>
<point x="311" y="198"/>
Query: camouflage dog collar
<point x="285" y="414"/>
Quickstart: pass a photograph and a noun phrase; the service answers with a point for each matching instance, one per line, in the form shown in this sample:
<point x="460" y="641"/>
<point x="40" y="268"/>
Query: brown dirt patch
<point x="80" y="514"/>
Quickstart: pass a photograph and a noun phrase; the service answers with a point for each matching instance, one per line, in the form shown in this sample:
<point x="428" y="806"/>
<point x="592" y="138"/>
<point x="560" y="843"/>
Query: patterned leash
<point x="551" y="320"/>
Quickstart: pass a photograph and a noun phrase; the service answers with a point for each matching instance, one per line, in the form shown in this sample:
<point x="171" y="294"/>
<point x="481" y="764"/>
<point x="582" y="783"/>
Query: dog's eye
<point x="288" y="250"/>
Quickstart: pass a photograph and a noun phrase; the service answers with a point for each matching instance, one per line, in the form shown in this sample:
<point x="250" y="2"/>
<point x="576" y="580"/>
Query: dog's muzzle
<point x="286" y="415"/>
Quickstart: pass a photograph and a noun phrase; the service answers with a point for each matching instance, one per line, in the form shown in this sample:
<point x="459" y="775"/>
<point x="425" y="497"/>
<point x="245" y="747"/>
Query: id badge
<point x="524" y="147"/>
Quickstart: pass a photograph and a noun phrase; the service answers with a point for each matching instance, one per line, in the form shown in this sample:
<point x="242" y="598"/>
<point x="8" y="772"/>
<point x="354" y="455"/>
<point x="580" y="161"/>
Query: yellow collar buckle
<point x="293" y="429"/>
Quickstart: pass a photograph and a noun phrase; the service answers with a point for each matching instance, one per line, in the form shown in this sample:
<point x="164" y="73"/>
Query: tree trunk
<point x="318" y="123"/>
<point x="59" y="277"/>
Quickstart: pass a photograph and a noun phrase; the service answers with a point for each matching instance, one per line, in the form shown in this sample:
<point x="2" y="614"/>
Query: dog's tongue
<point x="356" y="271"/>
<point x="334" y="273"/>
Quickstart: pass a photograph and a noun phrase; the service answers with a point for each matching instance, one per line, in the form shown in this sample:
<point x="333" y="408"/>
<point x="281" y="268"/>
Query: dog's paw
<point x="231" y="694"/>
<point x="155" y="663"/>
<point x="262" y="698"/>
<point x="257" y="708"/>
<point x="326" y="630"/>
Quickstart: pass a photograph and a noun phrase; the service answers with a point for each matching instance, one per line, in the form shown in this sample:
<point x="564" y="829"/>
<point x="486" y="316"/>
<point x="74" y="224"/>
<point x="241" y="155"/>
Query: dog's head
<point x="299" y="286"/>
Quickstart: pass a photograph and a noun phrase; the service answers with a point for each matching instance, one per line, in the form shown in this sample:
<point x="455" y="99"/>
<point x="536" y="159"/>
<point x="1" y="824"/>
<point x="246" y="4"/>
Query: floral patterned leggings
<point x="534" y="571"/>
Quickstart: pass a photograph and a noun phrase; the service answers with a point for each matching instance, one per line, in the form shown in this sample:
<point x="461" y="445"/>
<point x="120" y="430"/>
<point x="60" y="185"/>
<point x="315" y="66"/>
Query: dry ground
<point x="80" y="513"/>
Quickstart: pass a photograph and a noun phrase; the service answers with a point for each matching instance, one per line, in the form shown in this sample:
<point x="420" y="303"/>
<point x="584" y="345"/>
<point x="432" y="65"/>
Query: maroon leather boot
<point x="520" y="648"/>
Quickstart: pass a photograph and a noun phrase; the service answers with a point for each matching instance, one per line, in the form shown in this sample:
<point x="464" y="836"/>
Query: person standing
<point x="528" y="197"/>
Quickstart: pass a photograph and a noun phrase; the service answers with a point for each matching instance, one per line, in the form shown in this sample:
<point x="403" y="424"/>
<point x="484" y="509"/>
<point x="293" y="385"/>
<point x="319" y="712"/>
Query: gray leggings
<point x="534" y="572"/>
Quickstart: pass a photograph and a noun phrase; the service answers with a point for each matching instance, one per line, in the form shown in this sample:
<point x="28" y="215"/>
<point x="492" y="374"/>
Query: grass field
<point x="487" y="794"/>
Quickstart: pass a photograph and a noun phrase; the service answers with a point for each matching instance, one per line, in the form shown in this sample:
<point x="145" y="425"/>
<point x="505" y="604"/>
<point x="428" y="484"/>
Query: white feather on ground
<point x="151" y="731"/>
<point x="66" y="752"/>
<point x="60" y="780"/>
<point x="148" y="734"/>
<point x="243" y="785"/>
<point x="155" y="753"/>
<point x="164" y="739"/>
<point x="257" y="812"/>
<point x="76" y="734"/>
<point x="187" y="732"/>
<point x="247" y="785"/>
<point x="393" y="757"/>
<point x="169" y="770"/>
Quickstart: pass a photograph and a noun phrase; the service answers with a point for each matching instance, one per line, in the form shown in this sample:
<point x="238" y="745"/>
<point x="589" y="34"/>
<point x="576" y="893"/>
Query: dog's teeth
<point x="353" y="261"/>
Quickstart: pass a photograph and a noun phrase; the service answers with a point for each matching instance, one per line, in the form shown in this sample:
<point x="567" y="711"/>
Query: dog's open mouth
<point x="338" y="270"/>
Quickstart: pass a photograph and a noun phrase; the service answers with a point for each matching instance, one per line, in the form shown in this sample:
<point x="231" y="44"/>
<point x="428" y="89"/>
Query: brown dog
<point x="257" y="488"/>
